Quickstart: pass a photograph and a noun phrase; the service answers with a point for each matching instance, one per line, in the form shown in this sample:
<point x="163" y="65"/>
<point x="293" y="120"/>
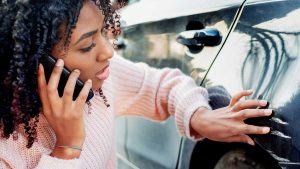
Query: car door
<point x="263" y="53"/>
<point x="150" y="32"/>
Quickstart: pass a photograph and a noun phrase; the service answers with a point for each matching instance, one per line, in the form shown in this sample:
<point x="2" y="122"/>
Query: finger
<point x="251" y="129"/>
<point x="249" y="104"/>
<point x="70" y="86"/>
<point x="240" y="138"/>
<point x="80" y="101"/>
<point x="54" y="80"/>
<point x="42" y="89"/>
<point x="250" y="113"/>
<point x="238" y="96"/>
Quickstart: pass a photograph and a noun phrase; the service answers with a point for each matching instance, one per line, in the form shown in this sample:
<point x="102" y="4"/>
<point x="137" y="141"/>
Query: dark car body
<point x="259" y="49"/>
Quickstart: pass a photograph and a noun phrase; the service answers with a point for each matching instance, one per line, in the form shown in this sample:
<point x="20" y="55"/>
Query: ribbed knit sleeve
<point x="14" y="153"/>
<point x="156" y="93"/>
<point x="49" y="162"/>
<point x="10" y="159"/>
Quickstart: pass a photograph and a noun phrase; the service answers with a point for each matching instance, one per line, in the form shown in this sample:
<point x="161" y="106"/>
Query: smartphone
<point x="49" y="63"/>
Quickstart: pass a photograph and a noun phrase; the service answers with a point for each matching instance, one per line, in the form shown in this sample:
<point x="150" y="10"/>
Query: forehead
<point x="90" y="18"/>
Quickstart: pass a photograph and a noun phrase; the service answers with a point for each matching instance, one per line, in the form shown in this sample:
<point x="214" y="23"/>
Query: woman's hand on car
<point x="64" y="115"/>
<point x="227" y="124"/>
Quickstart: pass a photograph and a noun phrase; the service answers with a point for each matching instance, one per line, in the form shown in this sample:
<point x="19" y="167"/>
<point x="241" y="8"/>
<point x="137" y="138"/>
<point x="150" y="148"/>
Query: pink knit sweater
<point x="131" y="89"/>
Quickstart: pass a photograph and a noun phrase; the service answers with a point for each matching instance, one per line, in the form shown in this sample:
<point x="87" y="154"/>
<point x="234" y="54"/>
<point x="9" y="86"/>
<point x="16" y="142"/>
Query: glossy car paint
<point x="262" y="53"/>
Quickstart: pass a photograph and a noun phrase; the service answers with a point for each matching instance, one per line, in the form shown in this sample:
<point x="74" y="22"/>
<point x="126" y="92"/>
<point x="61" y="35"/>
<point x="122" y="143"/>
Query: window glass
<point x="155" y="42"/>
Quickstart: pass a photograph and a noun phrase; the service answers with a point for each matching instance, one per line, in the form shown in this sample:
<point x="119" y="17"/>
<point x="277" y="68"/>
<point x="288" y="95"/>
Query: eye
<point x="87" y="49"/>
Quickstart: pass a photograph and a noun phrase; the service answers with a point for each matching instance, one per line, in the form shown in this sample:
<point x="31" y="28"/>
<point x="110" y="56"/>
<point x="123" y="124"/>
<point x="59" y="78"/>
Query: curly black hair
<point x="29" y="29"/>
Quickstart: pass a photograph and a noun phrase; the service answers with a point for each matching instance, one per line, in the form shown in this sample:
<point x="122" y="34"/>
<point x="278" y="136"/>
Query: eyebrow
<point x="86" y="35"/>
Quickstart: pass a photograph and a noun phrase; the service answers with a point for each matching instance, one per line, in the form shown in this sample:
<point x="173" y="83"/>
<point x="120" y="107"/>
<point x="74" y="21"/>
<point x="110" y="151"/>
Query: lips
<point x="103" y="74"/>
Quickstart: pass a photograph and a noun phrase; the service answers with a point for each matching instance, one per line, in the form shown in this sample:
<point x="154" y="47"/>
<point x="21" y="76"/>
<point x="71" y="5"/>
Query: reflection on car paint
<point x="278" y="120"/>
<point x="280" y="134"/>
<point x="278" y="158"/>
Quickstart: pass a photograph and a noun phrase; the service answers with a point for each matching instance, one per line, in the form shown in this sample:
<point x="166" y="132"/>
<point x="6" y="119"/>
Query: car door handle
<point x="202" y="37"/>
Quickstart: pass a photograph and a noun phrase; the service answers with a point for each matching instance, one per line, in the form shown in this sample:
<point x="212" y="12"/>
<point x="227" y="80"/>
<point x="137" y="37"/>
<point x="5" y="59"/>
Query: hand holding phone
<point x="49" y="63"/>
<point x="64" y="116"/>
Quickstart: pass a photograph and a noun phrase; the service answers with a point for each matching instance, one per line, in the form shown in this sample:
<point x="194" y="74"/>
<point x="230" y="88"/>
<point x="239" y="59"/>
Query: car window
<point x="155" y="42"/>
<point x="263" y="54"/>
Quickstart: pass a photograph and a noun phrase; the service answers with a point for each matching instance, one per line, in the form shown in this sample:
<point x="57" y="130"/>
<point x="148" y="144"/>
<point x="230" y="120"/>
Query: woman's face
<point x="89" y="48"/>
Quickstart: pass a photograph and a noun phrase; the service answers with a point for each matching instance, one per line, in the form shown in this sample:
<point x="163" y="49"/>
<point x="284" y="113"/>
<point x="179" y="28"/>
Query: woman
<point x="41" y="129"/>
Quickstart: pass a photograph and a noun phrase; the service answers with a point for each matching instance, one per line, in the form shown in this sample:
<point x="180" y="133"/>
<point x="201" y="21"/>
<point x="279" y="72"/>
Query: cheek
<point x="86" y="71"/>
<point x="86" y="74"/>
<point x="83" y="63"/>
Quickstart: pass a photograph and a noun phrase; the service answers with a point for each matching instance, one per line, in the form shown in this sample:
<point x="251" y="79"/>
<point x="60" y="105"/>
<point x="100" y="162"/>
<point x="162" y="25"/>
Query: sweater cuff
<point x="187" y="124"/>
<point x="185" y="111"/>
<point x="50" y="162"/>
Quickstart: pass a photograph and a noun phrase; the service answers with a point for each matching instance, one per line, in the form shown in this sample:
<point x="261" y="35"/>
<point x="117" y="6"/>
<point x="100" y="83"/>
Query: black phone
<point x="49" y="63"/>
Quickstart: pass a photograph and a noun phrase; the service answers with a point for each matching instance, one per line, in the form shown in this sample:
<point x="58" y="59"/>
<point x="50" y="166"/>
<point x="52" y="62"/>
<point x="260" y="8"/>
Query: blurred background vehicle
<point x="226" y="46"/>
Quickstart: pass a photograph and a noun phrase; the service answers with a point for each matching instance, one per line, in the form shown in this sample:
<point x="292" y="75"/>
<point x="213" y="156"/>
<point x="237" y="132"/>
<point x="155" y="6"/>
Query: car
<point x="226" y="47"/>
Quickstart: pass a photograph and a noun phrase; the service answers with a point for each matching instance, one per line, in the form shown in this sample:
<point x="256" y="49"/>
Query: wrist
<point x="70" y="142"/>
<point x="194" y="121"/>
<point x="65" y="152"/>
<point x="67" y="149"/>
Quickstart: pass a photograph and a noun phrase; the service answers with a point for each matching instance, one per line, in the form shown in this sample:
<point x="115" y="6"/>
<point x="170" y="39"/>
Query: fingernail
<point x="89" y="81"/>
<point x="266" y="130"/>
<point x="250" y="91"/>
<point x="268" y="112"/>
<point x="77" y="71"/>
<point x="251" y="143"/>
<point x="263" y="102"/>
<point x="59" y="62"/>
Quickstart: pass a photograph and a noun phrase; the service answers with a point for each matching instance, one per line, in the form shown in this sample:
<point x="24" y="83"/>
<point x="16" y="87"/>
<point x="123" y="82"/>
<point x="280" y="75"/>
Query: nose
<point x="104" y="50"/>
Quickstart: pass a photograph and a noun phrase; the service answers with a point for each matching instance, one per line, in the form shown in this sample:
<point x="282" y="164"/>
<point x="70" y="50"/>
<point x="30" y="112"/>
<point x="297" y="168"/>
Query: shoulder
<point x="13" y="152"/>
<point x="10" y="153"/>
